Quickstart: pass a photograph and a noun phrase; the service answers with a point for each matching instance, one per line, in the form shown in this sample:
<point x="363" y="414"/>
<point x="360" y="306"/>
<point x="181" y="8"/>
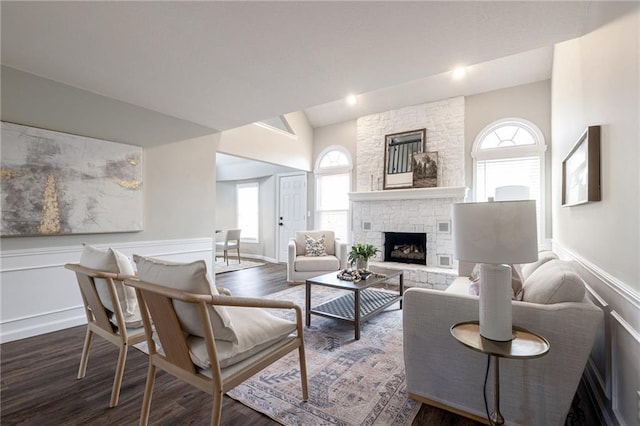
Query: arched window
<point x="333" y="184"/>
<point x="508" y="152"/>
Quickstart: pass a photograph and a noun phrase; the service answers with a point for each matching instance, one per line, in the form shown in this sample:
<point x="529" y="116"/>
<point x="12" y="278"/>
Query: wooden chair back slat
<point x="94" y="304"/>
<point x="167" y="326"/>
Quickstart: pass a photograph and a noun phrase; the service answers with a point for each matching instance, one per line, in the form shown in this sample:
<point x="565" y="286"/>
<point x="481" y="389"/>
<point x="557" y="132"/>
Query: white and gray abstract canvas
<point x="55" y="183"/>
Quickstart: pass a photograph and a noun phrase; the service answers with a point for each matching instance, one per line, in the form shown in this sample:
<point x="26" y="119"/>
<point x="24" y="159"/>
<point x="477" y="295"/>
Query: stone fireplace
<point x="422" y="210"/>
<point x="412" y="210"/>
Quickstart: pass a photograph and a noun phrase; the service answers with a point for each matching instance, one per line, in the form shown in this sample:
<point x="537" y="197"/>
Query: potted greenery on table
<point x="360" y="254"/>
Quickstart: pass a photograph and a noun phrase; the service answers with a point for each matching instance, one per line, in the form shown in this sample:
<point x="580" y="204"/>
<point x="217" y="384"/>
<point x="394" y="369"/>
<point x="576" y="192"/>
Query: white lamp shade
<point x="495" y="232"/>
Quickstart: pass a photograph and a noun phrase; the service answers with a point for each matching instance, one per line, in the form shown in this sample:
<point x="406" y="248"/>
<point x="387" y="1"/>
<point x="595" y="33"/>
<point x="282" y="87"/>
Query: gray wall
<point x="596" y="81"/>
<point x="35" y="101"/>
<point x="179" y="177"/>
<point x="531" y="102"/>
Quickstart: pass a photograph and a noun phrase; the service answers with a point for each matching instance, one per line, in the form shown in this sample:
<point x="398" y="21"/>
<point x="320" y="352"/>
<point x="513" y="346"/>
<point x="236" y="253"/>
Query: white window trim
<point x="248" y="185"/>
<point x="318" y="172"/>
<point x="536" y="150"/>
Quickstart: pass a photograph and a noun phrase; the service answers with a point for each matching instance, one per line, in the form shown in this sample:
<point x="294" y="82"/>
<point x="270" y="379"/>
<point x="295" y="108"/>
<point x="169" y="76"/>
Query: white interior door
<point x="292" y="210"/>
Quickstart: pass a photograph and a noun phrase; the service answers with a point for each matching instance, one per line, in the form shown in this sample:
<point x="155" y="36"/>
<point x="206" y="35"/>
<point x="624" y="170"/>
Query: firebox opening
<point x="405" y="247"/>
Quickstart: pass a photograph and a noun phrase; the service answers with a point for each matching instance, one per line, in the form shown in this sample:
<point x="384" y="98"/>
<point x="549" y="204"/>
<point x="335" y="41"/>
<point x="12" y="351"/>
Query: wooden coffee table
<point x="361" y="303"/>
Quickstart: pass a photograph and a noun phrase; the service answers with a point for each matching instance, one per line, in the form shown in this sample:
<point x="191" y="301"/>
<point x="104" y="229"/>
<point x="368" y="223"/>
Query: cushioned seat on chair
<point x="211" y="341"/>
<point x="313" y="253"/>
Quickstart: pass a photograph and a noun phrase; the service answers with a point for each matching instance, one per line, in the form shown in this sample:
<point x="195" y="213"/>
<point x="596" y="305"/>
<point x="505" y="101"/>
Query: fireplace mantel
<point x="410" y="194"/>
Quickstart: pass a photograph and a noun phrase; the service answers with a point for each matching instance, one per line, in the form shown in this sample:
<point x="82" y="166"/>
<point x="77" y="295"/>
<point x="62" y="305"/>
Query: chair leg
<point x="303" y="374"/>
<point x="238" y="248"/>
<point x="226" y="256"/>
<point x="216" y="412"/>
<point x="85" y="354"/>
<point x="148" y="390"/>
<point x="117" y="381"/>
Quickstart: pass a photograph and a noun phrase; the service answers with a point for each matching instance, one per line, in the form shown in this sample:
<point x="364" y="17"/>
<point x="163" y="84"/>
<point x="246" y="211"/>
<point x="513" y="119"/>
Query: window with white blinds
<point x="333" y="184"/>
<point x="509" y="171"/>
<point x="333" y="203"/>
<point x="511" y="152"/>
<point x="248" y="211"/>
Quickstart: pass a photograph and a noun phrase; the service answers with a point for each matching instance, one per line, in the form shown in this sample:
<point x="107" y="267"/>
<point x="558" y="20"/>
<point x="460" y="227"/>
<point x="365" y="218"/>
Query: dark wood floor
<point x="39" y="385"/>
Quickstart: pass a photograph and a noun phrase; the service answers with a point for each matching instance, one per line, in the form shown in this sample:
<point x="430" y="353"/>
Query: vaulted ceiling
<point x="227" y="64"/>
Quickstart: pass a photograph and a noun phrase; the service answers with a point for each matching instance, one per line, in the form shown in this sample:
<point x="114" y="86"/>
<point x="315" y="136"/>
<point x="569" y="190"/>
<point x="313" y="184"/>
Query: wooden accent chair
<point x="98" y="321"/>
<point x="231" y="241"/>
<point x="175" y="353"/>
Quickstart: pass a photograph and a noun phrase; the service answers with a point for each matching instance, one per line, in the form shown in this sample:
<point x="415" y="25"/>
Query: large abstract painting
<point x="56" y="183"/>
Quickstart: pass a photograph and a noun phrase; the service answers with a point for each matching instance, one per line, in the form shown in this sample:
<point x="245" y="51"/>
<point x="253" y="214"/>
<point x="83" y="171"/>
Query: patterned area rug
<point x="222" y="267"/>
<point x="350" y="382"/>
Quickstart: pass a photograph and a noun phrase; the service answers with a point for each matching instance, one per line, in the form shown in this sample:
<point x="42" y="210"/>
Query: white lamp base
<point x="495" y="302"/>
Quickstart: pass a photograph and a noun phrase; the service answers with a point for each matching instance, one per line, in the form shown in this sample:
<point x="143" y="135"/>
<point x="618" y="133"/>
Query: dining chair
<point x="231" y="241"/>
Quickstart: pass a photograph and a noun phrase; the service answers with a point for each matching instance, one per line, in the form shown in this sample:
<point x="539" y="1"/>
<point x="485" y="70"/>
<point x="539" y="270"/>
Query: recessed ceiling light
<point x="459" y="73"/>
<point x="352" y="100"/>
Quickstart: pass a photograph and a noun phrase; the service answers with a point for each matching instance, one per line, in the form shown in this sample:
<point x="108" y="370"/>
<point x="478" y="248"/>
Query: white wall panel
<point x="38" y="295"/>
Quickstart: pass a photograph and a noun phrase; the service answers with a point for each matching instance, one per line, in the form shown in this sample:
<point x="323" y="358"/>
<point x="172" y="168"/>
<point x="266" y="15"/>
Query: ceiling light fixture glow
<point x="459" y="73"/>
<point x="352" y="100"/>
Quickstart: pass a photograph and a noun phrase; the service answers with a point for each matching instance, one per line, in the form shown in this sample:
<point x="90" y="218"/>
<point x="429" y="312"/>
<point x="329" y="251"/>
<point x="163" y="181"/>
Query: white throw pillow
<point x="529" y="268"/>
<point x="314" y="247"/>
<point x="554" y="281"/>
<point x="111" y="260"/>
<point x="329" y="241"/>
<point x="193" y="278"/>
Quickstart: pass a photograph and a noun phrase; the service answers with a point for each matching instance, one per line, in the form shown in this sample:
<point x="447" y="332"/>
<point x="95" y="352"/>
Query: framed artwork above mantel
<point x="581" y="170"/>
<point x="399" y="149"/>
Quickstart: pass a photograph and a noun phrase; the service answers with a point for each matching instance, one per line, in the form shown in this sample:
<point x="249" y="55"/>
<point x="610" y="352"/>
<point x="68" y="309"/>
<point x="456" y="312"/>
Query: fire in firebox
<point x="406" y="247"/>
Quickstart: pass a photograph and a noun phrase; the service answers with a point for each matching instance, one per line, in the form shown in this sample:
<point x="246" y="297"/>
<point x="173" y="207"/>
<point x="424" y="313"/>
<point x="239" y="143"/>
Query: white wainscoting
<point x="613" y="370"/>
<point x="38" y="295"/>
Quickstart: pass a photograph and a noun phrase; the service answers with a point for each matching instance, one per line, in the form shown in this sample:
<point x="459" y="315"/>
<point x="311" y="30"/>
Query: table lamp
<point x="495" y="234"/>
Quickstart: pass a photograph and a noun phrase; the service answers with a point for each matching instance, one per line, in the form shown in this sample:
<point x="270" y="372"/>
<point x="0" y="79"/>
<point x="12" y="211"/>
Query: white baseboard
<point x="35" y="325"/>
<point x="253" y="256"/>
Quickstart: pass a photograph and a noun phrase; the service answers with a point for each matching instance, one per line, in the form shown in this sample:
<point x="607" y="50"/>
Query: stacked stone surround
<point x="375" y="211"/>
<point x="444" y="121"/>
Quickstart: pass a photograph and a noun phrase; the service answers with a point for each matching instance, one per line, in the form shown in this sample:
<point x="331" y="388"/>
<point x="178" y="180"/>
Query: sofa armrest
<point x="440" y="369"/>
<point x="291" y="259"/>
<point x="341" y="252"/>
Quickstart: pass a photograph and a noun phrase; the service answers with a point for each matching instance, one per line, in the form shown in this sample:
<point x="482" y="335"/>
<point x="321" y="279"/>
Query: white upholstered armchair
<point x="303" y="263"/>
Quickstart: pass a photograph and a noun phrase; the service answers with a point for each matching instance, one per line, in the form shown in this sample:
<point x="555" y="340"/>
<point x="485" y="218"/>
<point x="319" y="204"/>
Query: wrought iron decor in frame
<point x="581" y="170"/>
<point x="398" y="153"/>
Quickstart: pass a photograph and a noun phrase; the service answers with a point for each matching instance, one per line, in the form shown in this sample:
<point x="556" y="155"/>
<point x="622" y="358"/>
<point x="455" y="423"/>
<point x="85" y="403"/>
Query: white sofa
<point x="442" y="372"/>
<point x="300" y="267"/>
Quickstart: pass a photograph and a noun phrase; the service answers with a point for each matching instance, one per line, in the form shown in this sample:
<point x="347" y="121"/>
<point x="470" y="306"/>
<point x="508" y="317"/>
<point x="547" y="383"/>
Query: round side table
<point x="524" y="345"/>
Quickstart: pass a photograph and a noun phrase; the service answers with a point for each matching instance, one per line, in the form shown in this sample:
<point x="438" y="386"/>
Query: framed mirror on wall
<point x="399" y="149"/>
